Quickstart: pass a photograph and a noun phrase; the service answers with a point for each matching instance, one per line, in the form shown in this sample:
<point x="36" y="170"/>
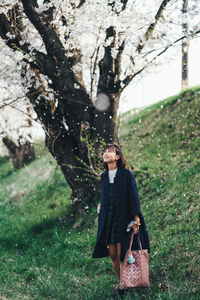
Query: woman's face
<point x="110" y="156"/>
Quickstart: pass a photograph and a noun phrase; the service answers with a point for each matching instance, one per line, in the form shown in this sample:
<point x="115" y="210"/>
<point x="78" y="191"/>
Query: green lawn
<point x="44" y="255"/>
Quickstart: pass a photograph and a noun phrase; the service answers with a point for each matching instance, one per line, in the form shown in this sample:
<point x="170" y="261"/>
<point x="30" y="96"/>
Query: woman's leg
<point x="114" y="253"/>
<point x="118" y="254"/>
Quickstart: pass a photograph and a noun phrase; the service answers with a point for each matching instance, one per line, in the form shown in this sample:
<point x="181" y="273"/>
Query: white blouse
<point x="111" y="174"/>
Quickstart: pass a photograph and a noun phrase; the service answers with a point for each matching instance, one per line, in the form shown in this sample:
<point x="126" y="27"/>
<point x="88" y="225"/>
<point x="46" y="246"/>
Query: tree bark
<point x="21" y="155"/>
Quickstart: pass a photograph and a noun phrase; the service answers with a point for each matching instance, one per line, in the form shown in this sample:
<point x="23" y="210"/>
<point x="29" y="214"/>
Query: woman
<point x="118" y="207"/>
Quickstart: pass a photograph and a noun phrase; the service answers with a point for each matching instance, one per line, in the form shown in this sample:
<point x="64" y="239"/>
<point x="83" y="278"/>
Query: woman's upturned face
<point x="109" y="155"/>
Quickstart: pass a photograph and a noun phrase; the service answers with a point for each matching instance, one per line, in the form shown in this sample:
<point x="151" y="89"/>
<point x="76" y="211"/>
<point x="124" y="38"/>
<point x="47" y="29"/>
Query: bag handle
<point x="131" y="241"/>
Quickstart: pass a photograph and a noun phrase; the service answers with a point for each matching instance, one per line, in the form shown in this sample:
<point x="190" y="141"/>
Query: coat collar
<point x="118" y="173"/>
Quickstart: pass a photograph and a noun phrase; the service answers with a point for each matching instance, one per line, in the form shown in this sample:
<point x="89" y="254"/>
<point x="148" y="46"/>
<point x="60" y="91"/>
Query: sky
<point x="160" y="84"/>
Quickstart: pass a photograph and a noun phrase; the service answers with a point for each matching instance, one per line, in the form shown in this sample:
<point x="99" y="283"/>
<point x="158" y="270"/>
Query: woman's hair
<point x="121" y="162"/>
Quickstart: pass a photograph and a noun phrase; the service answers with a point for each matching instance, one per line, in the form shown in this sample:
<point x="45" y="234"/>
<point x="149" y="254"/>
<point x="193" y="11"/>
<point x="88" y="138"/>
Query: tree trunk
<point x="185" y="47"/>
<point x="67" y="142"/>
<point x="84" y="184"/>
<point x="21" y="155"/>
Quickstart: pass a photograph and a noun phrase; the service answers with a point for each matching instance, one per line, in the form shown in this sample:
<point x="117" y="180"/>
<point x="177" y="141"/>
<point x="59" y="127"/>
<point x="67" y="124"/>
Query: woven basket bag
<point x="135" y="270"/>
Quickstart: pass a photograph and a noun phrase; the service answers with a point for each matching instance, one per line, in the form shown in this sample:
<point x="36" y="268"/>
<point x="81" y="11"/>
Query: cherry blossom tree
<point x="76" y="59"/>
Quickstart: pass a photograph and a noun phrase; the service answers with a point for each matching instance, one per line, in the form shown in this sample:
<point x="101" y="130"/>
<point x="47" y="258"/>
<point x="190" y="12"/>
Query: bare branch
<point x="23" y="112"/>
<point x="16" y="99"/>
<point x="7" y="104"/>
<point x="192" y="36"/>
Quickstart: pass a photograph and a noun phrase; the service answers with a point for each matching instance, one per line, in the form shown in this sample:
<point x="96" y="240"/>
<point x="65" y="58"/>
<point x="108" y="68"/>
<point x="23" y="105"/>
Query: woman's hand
<point x="98" y="208"/>
<point x="135" y="228"/>
<point x="135" y="225"/>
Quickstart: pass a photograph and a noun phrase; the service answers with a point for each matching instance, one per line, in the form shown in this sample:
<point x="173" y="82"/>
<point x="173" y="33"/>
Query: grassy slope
<point x="162" y="143"/>
<point x="44" y="257"/>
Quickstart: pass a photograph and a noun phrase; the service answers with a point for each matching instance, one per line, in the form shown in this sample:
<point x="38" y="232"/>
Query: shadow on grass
<point x="12" y="243"/>
<point x="22" y="240"/>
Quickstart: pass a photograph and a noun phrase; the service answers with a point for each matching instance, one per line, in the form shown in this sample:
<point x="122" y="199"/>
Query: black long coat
<point x="128" y="205"/>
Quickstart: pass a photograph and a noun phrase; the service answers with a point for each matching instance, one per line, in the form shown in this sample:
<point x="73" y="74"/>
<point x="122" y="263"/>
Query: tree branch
<point x="106" y="66"/>
<point x="153" y="25"/>
<point x="118" y="61"/>
<point x="23" y="112"/>
<point x="59" y="68"/>
<point x="129" y="78"/>
<point x="93" y="72"/>
<point x="14" y="43"/>
<point x="81" y="3"/>
<point x="16" y="99"/>
<point x="7" y="104"/>
<point x="52" y="43"/>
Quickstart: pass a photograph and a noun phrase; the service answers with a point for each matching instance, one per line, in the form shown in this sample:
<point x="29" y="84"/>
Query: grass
<point x="162" y="147"/>
<point x="45" y="255"/>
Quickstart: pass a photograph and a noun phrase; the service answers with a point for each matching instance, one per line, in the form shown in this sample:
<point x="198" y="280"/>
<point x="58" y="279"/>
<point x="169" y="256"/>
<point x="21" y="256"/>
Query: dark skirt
<point x="109" y="234"/>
